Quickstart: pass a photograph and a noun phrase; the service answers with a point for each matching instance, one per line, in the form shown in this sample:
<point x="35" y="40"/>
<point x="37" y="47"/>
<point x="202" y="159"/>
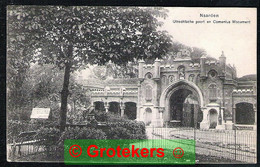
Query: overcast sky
<point x="238" y="41"/>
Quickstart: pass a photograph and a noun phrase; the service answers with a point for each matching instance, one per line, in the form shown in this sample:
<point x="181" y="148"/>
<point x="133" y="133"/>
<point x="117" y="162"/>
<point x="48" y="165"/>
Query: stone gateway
<point x="180" y="91"/>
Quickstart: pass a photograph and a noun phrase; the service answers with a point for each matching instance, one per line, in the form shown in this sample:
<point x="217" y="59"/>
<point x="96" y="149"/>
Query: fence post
<point x="235" y="143"/>
<point x="195" y="134"/>
<point x="13" y="150"/>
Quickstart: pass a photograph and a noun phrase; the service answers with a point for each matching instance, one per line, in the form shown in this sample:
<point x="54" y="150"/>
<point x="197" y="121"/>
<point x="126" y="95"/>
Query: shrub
<point x="49" y="138"/>
<point x="15" y="127"/>
<point x="101" y="116"/>
<point x="83" y="133"/>
<point x="116" y="118"/>
<point x="109" y="117"/>
<point x="118" y="133"/>
<point x="126" y="130"/>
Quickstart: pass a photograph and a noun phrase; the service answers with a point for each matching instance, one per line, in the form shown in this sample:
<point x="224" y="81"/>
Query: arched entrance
<point x="130" y="110"/>
<point x="213" y="118"/>
<point x="245" y="113"/>
<point x="99" y="106"/>
<point x="184" y="109"/>
<point x="114" y="108"/>
<point x="182" y="101"/>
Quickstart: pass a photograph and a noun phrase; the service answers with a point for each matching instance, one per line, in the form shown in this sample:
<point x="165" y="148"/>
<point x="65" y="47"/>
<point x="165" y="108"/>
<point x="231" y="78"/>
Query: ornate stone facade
<point x="181" y="91"/>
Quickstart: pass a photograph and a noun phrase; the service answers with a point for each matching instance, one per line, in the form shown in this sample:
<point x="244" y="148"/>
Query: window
<point x="148" y="93"/>
<point x="164" y="78"/>
<point x="198" y="79"/>
<point x="181" y="71"/>
<point x="148" y="75"/>
<point x="191" y="77"/>
<point x="212" y="74"/>
<point x="171" y="78"/>
<point x="212" y="92"/>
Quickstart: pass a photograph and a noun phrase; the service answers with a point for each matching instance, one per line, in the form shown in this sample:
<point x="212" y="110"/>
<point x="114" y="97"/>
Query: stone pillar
<point x="234" y="115"/>
<point x="157" y="64"/>
<point x="138" y="105"/>
<point x="106" y="104"/>
<point x="156" y="122"/>
<point x="220" y="124"/>
<point x="161" y="110"/>
<point x="202" y="66"/>
<point x="205" y="122"/>
<point x="140" y="68"/>
<point x="122" y="107"/>
<point x="141" y="114"/>
<point x="255" y="124"/>
<point x="92" y="105"/>
<point x="222" y="60"/>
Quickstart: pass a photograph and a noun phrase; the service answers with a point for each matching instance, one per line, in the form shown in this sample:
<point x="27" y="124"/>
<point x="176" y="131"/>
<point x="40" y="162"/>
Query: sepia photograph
<point x="180" y="83"/>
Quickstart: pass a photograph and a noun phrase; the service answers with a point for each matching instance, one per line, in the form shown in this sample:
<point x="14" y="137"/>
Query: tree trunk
<point x="65" y="93"/>
<point x="64" y="98"/>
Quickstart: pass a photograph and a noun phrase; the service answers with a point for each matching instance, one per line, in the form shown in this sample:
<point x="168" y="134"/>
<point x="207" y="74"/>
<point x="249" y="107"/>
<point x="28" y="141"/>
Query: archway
<point x="177" y="109"/>
<point x="213" y="118"/>
<point x="99" y="106"/>
<point x="148" y="116"/>
<point x="130" y="110"/>
<point x="114" y="108"/>
<point x="245" y="113"/>
<point x="184" y="109"/>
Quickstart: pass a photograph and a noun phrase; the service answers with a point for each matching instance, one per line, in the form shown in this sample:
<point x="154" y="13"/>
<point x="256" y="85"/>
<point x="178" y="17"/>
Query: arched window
<point x="245" y="113"/>
<point x="191" y="77"/>
<point x="181" y="71"/>
<point x="148" y="75"/>
<point x="198" y="79"/>
<point x="148" y="93"/>
<point x="171" y="79"/>
<point x="164" y="78"/>
<point x="212" y="74"/>
<point x="212" y="92"/>
<point x="130" y="110"/>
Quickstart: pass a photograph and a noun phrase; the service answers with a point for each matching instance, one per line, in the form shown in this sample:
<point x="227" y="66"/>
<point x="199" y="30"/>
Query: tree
<point x="70" y="37"/>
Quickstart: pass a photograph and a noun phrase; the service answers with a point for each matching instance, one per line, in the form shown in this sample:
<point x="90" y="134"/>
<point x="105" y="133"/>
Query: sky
<point x="238" y="41"/>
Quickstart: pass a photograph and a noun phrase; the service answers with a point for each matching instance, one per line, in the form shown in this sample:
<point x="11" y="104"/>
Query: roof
<point x="102" y="83"/>
<point x="251" y="77"/>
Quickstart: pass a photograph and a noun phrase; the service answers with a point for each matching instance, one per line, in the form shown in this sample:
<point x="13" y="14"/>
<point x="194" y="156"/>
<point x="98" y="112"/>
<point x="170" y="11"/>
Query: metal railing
<point x="227" y="145"/>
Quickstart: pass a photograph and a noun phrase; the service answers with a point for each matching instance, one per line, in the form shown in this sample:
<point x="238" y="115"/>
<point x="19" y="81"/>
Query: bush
<point x="49" y="135"/>
<point x="82" y="133"/>
<point x="126" y="130"/>
<point x="15" y="127"/>
<point x="53" y="140"/>
<point x="118" y="133"/>
<point x="116" y="118"/>
<point x="102" y="116"/>
<point x="49" y="138"/>
<point x="120" y="127"/>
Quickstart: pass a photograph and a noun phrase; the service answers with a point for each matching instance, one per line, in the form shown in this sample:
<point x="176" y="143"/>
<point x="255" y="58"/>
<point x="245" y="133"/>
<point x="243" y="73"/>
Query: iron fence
<point x="227" y="145"/>
<point x="23" y="149"/>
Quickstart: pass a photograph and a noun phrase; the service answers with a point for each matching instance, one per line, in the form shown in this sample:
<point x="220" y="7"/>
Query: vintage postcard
<point x="131" y="85"/>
